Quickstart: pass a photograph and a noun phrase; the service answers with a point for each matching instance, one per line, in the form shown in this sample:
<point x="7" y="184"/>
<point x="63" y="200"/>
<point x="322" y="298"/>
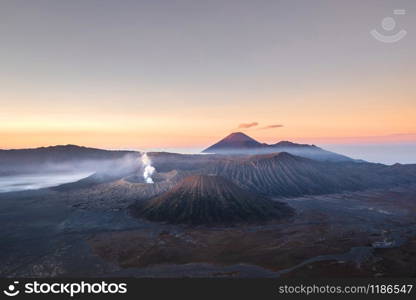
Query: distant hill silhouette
<point x="240" y="143"/>
<point x="55" y="158"/>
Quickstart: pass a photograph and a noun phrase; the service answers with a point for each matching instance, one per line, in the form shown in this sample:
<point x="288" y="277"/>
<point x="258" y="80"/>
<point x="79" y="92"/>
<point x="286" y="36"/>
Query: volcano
<point x="241" y="144"/>
<point x="207" y="199"/>
<point x="235" y="142"/>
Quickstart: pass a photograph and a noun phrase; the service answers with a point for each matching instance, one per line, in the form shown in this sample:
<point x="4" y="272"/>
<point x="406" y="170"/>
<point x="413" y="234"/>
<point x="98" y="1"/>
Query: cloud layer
<point x="271" y="126"/>
<point x="248" y="125"/>
<point x="254" y="124"/>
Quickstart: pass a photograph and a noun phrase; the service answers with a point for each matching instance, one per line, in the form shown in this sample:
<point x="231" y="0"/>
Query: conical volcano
<point x="204" y="199"/>
<point x="234" y="143"/>
<point x="238" y="143"/>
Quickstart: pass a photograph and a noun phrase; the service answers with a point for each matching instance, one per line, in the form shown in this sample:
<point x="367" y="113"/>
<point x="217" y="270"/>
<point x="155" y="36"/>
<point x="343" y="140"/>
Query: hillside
<point x="58" y="158"/>
<point x="283" y="174"/>
<point x="203" y="199"/>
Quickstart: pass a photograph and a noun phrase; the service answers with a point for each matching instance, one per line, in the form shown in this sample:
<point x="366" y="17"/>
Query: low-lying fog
<point x="404" y="153"/>
<point x="14" y="183"/>
<point x="20" y="177"/>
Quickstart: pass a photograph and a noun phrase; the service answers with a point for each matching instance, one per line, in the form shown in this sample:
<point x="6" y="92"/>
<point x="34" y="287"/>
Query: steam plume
<point x="148" y="168"/>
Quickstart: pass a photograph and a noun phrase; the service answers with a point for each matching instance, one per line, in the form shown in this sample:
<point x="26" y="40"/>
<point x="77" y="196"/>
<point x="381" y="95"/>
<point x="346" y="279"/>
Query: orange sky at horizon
<point x="69" y="76"/>
<point x="184" y="126"/>
<point x="116" y="142"/>
<point x="312" y="117"/>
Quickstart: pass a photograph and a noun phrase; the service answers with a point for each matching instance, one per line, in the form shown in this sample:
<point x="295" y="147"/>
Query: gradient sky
<point x="178" y="74"/>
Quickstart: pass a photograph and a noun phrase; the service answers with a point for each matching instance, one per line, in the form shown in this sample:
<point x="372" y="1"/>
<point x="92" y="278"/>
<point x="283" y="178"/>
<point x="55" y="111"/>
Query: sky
<point x="183" y="74"/>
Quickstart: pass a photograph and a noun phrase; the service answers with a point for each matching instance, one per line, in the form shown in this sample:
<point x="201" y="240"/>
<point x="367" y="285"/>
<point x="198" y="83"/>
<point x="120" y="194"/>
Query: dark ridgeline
<point x="207" y="199"/>
<point x="58" y="154"/>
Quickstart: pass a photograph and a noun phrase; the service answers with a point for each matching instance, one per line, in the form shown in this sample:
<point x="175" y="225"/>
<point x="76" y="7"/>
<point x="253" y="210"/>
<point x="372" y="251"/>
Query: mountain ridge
<point x="240" y="143"/>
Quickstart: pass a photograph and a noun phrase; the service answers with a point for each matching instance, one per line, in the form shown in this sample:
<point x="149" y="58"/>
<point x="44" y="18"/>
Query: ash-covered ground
<point x="91" y="232"/>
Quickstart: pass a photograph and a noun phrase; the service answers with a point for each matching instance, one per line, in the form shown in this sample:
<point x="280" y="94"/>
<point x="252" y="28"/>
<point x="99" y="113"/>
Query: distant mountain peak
<point x="236" y="141"/>
<point x="242" y="144"/>
<point x="239" y="136"/>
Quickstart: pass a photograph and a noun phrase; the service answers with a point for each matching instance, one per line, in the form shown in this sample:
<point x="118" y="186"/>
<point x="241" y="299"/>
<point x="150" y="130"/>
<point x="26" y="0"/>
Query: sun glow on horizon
<point x="184" y="83"/>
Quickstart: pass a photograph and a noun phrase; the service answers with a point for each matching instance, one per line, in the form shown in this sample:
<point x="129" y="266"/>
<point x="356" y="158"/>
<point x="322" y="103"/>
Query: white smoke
<point x="148" y="168"/>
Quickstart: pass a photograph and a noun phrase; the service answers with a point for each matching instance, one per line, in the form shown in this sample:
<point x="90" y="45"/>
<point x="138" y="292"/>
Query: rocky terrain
<point x="350" y="234"/>
<point x="283" y="174"/>
<point x="210" y="199"/>
<point x="263" y="215"/>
